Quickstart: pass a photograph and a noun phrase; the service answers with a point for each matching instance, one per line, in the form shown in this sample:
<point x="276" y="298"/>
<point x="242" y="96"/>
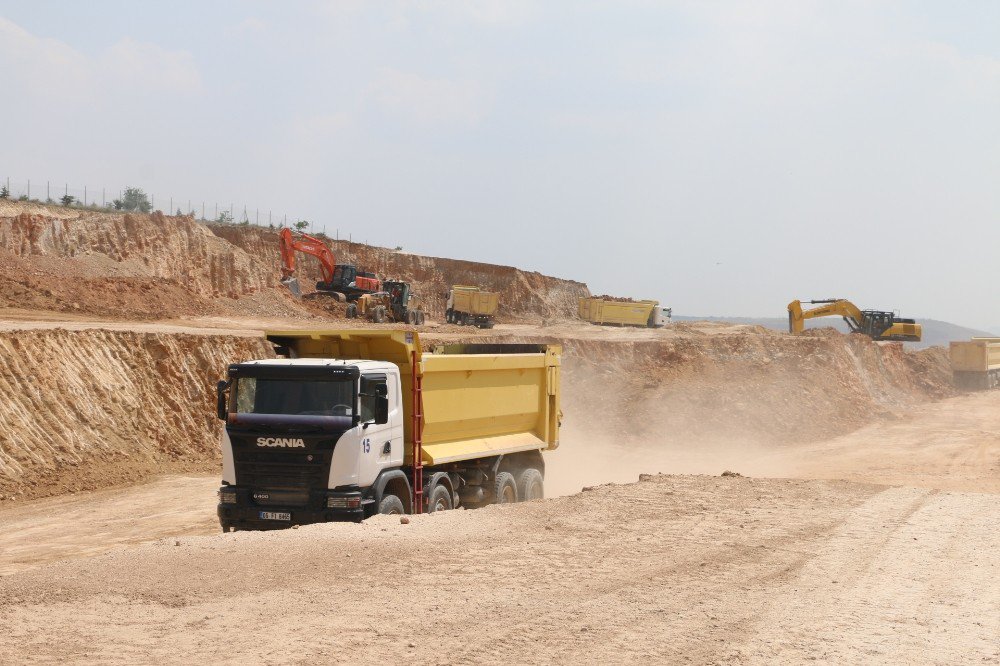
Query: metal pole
<point x="216" y="211"/>
<point x="47" y="195"/>
<point x="104" y="201"/>
<point x="84" y="195"/>
<point x="29" y="188"/>
<point x="170" y="210"/>
<point x="203" y="210"/>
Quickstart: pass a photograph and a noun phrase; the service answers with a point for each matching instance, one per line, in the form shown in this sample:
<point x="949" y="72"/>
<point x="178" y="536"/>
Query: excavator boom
<point x="343" y="282"/>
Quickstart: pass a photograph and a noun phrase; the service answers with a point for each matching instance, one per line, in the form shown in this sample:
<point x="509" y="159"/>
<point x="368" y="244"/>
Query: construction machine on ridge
<point x="876" y="324"/>
<point x="343" y="282"/>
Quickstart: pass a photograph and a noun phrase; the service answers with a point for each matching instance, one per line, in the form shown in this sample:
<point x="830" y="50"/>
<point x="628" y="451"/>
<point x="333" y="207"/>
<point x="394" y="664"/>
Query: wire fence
<point x="112" y="200"/>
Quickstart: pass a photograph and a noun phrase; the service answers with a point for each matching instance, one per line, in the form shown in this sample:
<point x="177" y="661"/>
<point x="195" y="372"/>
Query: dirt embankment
<point x="93" y="408"/>
<point x="524" y="296"/>
<point x="89" y="409"/>
<point x="132" y="266"/>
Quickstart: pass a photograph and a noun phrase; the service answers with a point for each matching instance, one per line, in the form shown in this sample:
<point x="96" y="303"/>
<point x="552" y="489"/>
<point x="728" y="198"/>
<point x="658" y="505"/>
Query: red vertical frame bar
<point x="418" y="435"/>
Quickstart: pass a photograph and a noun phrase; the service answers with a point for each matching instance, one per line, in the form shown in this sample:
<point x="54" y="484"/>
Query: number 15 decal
<point x="366" y="444"/>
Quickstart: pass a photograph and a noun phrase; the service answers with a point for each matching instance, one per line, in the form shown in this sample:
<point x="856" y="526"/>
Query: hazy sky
<point x="722" y="157"/>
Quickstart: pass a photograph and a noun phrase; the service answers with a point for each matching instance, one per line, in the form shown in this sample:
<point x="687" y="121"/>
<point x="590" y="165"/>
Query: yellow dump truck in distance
<point x="975" y="364"/>
<point x="347" y="424"/>
<point x="471" y="306"/>
<point x="623" y="313"/>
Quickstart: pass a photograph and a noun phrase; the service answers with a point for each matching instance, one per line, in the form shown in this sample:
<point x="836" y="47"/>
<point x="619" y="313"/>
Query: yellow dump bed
<point x="474" y="300"/>
<point x="635" y="313"/>
<point x="975" y="355"/>
<point x="478" y="400"/>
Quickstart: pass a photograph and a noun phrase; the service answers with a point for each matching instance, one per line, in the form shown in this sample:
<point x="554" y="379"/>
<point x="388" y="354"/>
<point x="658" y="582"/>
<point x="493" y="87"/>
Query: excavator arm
<point x="829" y="307"/>
<point x="291" y="243"/>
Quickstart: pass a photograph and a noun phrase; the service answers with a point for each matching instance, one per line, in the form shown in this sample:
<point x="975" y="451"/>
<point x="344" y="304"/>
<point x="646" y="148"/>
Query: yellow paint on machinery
<point x="635" y="313"/>
<point x="478" y="400"/>
<point x="474" y="300"/>
<point x="975" y="363"/>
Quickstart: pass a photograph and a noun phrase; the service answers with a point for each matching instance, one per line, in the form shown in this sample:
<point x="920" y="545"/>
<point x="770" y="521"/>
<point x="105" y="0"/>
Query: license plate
<point x="275" y="515"/>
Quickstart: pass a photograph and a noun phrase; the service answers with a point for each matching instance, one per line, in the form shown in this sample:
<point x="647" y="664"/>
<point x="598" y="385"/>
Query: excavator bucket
<point x="293" y="286"/>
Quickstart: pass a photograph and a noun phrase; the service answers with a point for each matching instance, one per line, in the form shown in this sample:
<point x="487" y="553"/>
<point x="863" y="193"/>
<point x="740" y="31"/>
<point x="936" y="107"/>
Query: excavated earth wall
<point x="88" y="409"/>
<point x="523" y="295"/>
<point x="96" y="408"/>
<point x="134" y="266"/>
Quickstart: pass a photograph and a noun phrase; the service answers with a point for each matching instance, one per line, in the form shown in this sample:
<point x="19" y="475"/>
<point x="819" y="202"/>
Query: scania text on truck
<point x="347" y="424"/>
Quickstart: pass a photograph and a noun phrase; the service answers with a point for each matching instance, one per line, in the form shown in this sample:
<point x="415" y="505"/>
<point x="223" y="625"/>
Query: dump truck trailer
<point x="471" y="306"/>
<point x="347" y="424"/>
<point x="975" y="364"/>
<point x="623" y="313"/>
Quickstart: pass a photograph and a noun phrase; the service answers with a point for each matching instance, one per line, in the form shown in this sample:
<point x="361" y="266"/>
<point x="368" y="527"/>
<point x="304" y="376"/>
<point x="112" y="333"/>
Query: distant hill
<point x="935" y="332"/>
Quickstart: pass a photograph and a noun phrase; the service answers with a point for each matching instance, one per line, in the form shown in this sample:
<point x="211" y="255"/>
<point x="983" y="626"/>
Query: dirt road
<point x="701" y="569"/>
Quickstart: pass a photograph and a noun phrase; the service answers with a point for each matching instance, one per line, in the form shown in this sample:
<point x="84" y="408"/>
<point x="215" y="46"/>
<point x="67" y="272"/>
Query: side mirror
<point x="221" y="404"/>
<point x="381" y="390"/>
<point x="381" y="410"/>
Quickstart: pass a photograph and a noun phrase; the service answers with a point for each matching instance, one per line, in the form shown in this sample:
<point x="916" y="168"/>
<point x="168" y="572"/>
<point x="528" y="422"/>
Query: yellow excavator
<point x="875" y="324"/>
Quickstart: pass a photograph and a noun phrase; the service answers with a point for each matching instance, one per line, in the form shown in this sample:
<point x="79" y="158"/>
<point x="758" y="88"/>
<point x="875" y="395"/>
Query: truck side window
<point x="369" y="394"/>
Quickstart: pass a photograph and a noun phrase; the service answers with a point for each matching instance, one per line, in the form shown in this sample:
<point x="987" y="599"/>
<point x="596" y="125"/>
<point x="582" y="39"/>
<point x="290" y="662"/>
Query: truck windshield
<point x="256" y="395"/>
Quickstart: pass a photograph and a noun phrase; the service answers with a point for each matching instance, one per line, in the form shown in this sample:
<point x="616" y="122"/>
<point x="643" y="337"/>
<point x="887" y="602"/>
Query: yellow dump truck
<point x="347" y="424"/>
<point x="623" y="313"/>
<point x="471" y="306"/>
<point x="975" y="364"/>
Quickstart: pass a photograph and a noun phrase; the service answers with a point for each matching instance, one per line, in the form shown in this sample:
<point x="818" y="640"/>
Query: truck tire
<point x="449" y="316"/>
<point x="378" y="316"/>
<point x="391" y="505"/>
<point x="440" y="499"/>
<point x="411" y="317"/>
<point x="504" y="489"/>
<point x="352" y="311"/>
<point x="420" y="318"/>
<point x="530" y="485"/>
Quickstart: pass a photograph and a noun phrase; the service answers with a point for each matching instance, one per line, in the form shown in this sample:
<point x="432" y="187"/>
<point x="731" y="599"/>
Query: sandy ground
<point x="672" y="569"/>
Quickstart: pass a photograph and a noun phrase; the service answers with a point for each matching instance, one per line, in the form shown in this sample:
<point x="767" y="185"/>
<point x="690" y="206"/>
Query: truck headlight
<point x="227" y="496"/>
<point x="343" y="502"/>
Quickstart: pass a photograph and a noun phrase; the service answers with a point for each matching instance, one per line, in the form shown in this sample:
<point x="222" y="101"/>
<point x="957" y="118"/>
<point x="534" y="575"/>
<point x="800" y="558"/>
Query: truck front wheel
<point x="530" y="485"/>
<point x="504" y="489"/>
<point x="391" y="505"/>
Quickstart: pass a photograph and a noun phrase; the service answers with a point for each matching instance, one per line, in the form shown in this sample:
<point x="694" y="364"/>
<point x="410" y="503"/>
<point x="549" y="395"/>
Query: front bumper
<point x="246" y="513"/>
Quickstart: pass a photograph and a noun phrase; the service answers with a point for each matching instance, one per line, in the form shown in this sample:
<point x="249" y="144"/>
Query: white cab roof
<point x="362" y="364"/>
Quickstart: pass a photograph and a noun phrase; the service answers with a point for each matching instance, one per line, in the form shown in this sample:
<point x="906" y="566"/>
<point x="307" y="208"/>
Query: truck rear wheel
<point x="504" y="489"/>
<point x="440" y="499"/>
<point x="449" y="316"/>
<point x="420" y="318"/>
<point x="530" y="485"/>
<point x="391" y="505"/>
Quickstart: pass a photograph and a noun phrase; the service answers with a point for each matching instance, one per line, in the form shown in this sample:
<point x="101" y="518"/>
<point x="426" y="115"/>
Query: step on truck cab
<point x="347" y="424"/>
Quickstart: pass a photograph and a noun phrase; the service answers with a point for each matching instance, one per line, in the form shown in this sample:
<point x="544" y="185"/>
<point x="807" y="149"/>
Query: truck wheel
<point x="449" y="316"/>
<point x="466" y="319"/>
<point x="440" y="499"/>
<point x="379" y="314"/>
<point x="504" y="489"/>
<point x="420" y="318"/>
<point x="411" y="317"/>
<point x="391" y="505"/>
<point x="530" y="485"/>
<point x="352" y="311"/>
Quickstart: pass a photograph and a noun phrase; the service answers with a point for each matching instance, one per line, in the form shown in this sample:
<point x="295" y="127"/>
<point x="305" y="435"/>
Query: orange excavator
<point x="343" y="282"/>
